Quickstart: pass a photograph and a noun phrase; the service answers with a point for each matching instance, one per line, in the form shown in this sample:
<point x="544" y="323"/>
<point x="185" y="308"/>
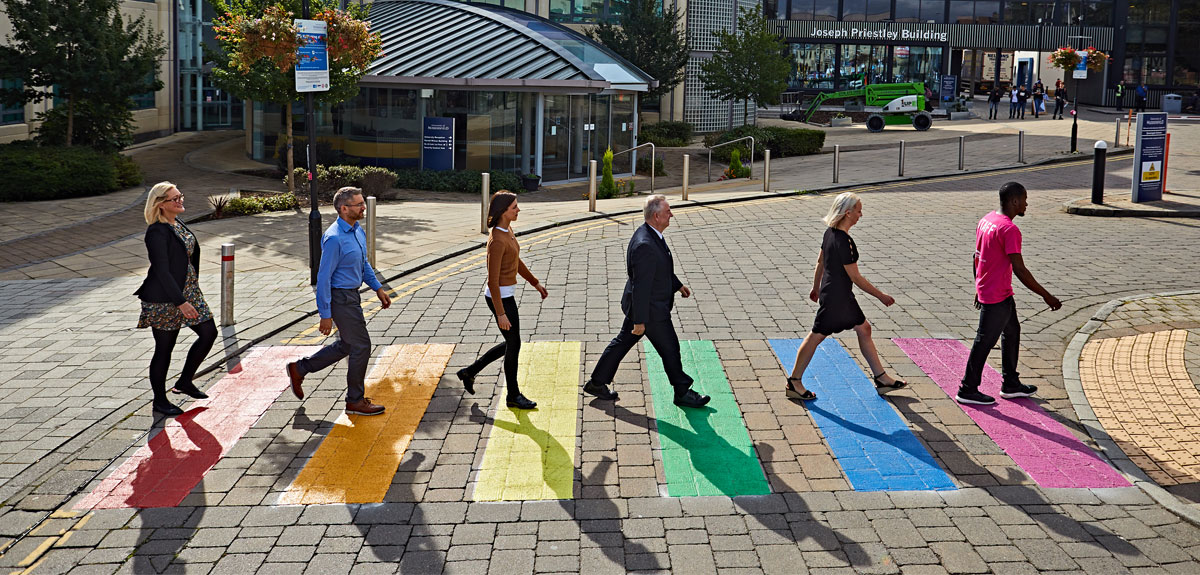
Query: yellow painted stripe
<point x="359" y="457"/>
<point x="531" y="454"/>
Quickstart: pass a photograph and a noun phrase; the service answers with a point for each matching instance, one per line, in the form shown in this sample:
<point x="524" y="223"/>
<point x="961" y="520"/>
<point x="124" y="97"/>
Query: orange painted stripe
<point x="359" y="457"/>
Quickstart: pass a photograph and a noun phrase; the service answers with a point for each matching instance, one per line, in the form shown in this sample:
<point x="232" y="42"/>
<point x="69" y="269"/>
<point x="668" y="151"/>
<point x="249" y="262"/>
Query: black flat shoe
<point x="189" y="390"/>
<point x="692" y="399"/>
<point x="167" y="408"/>
<point x="791" y="392"/>
<point x="601" y="391"/>
<point x="467" y="380"/>
<point x="896" y="383"/>
<point x="520" y="402"/>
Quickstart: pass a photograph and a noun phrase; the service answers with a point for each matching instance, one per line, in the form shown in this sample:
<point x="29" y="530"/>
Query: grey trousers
<point x="353" y="341"/>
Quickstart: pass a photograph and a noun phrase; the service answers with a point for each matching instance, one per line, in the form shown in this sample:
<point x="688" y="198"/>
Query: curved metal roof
<point x="439" y="43"/>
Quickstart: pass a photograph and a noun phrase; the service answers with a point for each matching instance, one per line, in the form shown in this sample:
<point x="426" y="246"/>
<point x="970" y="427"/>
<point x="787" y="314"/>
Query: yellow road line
<point x="357" y="460"/>
<point x="531" y="454"/>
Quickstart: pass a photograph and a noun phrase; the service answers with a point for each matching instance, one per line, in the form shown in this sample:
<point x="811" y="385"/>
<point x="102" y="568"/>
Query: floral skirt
<point x="167" y="317"/>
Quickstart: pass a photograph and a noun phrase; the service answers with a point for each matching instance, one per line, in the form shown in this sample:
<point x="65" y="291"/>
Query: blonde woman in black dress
<point x="833" y="288"/>
<point x="171" y="297"/>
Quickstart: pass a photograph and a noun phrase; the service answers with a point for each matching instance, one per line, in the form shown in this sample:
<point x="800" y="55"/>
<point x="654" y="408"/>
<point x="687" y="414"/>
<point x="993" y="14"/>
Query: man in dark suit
<point x="647" y="302"/>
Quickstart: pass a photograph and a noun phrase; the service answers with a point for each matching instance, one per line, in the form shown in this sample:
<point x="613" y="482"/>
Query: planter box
<point x="960" y="115"/>
<point x="530" y="184"/>
<point x="841" y="122"/>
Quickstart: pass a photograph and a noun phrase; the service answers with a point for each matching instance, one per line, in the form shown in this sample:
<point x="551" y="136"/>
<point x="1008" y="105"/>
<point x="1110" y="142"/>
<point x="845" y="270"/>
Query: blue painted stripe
<point x="874" y="446"/>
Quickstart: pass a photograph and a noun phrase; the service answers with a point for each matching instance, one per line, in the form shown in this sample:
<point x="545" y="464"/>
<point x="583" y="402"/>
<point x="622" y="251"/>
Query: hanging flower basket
<point x="1067" y="58"/>
<point x="350" y="42"/>
<point x="273" y="37"/>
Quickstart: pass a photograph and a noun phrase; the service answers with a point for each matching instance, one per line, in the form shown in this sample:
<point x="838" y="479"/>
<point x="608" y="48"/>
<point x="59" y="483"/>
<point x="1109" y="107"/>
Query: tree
<point x="648" y="35"/>
<point x="95" y="60"/>
<point x="259" y="39"/>
<point x="750" y="63"/>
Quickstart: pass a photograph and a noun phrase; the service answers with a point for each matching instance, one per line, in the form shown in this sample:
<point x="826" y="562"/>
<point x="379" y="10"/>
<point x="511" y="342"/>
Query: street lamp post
<point x="1075" y="104"/>
<point x="314" y="215"/>
<point x="1038" y="65"/>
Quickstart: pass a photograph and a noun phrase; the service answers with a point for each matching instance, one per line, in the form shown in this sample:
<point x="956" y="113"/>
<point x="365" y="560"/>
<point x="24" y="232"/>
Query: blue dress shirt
<point x="343" y="263"/>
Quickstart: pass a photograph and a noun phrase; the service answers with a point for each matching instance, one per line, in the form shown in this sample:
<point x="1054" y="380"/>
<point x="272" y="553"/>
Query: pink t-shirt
<point x="996" y="238"/>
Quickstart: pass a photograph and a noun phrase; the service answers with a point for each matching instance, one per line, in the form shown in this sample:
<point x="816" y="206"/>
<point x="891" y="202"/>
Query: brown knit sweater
<point x="504" y="261"/>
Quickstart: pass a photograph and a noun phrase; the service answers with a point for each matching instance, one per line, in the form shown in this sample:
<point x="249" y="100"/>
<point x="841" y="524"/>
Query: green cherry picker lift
<point x="889" y="104"/>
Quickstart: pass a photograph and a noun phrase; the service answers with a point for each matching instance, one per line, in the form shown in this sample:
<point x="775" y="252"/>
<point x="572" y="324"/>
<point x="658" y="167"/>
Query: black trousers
<point x="662" y="335"/>
<point x="1058" y="108"/>
<point x="164" y="343"/>
<point x="997" y="321"/>
<point x="509" y="349"/>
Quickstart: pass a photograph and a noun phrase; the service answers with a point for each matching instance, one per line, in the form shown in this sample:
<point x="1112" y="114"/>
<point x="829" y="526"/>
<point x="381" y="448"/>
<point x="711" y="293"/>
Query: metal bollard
<point x="687" y="160"/>
<point x="767" y="171"/>
<point x="591" y="185"/>
<point x="837" y="161"/>
<point x="962" y="153"/>
<point x="226" y="285"/>
<point x="901" y="158"/>
<point x="371" y="230"/>
<point x="483" y="202"/>
<point x="1117" y="140"/>
<point x="1101" y="150"/>
<point x="1021" y="147"/>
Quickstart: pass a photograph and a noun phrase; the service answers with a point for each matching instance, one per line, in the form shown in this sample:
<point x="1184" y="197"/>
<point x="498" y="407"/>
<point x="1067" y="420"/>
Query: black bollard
<point x="1101" y="150"/>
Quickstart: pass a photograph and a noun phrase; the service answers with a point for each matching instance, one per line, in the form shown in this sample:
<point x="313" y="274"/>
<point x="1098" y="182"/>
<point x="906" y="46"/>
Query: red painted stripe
<point x="174" y="461"/>
<point x="226" y="258"/>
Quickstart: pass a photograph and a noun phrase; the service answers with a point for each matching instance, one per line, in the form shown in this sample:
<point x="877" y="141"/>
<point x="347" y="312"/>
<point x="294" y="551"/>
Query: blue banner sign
<point x="949" y="87"/>
<point x="1080" y="72"/>
<point x="1149" y="157"/>
<point x="312" y="58"/>
<point x="437" y="144"/>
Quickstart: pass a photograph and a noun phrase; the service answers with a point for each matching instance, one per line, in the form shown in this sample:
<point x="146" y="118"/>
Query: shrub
<point x="34" y="172"/>
<point x="375" y="180"/>
<point x="668" y="134"/>
<point x="129" y="174"/>
<point x="643" y="166"/>
<point x="103" y="127"/>
<point x="608" y="188"/>
<point x="256" y="205"/>
<point x="782" y="142"/>
<point x="456" y="181"/>
<point x="736" y="169"/>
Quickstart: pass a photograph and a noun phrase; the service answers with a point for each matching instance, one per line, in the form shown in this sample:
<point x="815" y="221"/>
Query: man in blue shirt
<point x="343" y="270"/>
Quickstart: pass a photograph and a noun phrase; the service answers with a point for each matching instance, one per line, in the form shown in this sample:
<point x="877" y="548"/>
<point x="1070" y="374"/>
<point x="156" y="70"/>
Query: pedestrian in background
<point x="1060" y="102"/>
<point x="1119" y="92"/>
<point x="1140" y="96"/>
<point x="171" y="297"/>
<point x="1012" y="103"/>
<point x="1022" y="100"/>
<point x="503" y="265"/>
<point x="997" y="258"/>
<point x="994" y="102"/>
<point x="1039" y="93"/>
<point x="834" y="279"/>
<point x="343" y="269"/>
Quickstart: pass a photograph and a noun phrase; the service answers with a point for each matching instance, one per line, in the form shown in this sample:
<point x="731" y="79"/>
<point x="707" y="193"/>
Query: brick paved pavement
<point x="915" y="242"/>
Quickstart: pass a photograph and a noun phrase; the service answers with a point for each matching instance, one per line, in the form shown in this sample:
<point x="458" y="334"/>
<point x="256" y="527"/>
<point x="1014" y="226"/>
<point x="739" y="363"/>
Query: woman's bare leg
<point x="867" y="345"/>
<point x="804" y="356"/>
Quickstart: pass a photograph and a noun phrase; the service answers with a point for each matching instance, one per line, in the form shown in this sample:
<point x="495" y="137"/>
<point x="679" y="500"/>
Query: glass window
<point x="862" y="65"/>
<point x="1017" y="12"/>
<point x="987" y="12"/>
<point x="801" y="10"/>
<point x="933" y="11"/>
<point x="812" y="66"/>
<point x="908" y="10"/>
<point x="825" y="10"/>
<point x="962" y="12"/>
<point x="15" y="114"/>
<point x="576" y="11"/>
<point x="514" y="4"/>
<point x="878" y="10"/>
<point x="1187" y="46"/>
<point x="1154" y="69"/>
<point x="917" y="64"/>
<point x="146" y="100"/>
<point x="854" y="10"/>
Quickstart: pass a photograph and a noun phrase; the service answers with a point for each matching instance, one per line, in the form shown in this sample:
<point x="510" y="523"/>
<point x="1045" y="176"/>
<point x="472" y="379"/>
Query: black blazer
<point x="650" y="290"/>
<point x="168" y="265"/>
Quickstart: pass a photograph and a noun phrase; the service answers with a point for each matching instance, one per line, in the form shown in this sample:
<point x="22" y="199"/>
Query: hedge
<point x="782" y="142"/>
<point x="667" y="134"/>
<point x="33" y="172"/>
<point x="456" y="181"/>
<point x="256" y="205"/>
<point x="373" y="180"/>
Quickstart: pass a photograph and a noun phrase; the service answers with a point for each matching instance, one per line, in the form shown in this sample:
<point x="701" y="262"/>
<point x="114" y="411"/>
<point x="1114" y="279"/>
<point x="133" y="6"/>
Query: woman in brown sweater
<point x="503" y="265"/>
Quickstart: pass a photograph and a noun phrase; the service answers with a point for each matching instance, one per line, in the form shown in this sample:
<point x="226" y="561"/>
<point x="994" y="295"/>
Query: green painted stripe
<point x="705" y="451"/>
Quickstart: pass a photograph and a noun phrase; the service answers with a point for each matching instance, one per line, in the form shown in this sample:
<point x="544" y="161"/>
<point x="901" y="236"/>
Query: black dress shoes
<point x="189" y="390"/>
<point x="599" y="390"/>
<point x="467" y="380"/>
<point x="521" y="402"/>
<point x="166" y="408"/>
<point x="691" y="399"/>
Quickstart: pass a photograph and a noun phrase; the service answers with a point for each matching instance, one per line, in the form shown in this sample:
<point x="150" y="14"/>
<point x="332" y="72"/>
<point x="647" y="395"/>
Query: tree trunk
<point x="70" y="117"/>
<point x="745" y="113"/>
<point x="291" y="162"/>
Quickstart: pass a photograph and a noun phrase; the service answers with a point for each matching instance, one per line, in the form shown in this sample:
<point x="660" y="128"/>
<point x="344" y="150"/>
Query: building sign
<point x="973" y="36"/>
<point x="437" y="144"/>
<point x="869" y="34"/>
<point x="1149" y="155"/>
<point x="1080" y="72"/>
<point x="312" y="59"/>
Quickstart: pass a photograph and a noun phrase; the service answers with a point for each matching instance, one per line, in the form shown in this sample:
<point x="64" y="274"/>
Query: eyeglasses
<point x="358" y="205"/>
<point x="178" y="199"/>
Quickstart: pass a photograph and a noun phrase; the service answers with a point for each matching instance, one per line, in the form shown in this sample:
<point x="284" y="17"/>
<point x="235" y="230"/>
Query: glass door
<point x="556" y="138"/>
<point x="582" y="146"/>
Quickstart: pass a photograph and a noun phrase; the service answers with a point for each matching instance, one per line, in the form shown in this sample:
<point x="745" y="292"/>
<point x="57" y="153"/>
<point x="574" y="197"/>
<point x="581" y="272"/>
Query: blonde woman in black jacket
<point x="171" y="297"/>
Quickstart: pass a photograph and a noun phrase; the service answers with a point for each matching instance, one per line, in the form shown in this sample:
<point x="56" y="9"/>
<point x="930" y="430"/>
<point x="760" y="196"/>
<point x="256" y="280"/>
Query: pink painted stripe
<point x="1042" y="446"/>
<point x="174" y="461"/>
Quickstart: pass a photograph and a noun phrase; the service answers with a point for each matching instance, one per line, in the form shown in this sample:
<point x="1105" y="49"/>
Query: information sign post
<point x="437" y="144"/>
<point x="1149" y="157"/>
<point x="312" y="75"/>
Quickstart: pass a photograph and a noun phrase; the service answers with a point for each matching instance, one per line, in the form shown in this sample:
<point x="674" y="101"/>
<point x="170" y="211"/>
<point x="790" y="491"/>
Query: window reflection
<point x="812" y="66"/>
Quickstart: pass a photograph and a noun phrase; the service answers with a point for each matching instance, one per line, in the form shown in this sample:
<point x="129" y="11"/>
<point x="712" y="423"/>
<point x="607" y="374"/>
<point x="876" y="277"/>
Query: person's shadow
<point x="712" y="456"/>
<point x="558" y="466"/>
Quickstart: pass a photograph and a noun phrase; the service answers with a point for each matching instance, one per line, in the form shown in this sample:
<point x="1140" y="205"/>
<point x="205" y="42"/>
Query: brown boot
<point x="363" y="407"/>
<point x="297" y="378"/>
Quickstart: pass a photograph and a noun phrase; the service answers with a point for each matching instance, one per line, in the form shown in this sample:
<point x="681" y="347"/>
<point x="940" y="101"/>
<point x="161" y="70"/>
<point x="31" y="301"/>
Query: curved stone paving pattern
<point x="1142" y="394"/>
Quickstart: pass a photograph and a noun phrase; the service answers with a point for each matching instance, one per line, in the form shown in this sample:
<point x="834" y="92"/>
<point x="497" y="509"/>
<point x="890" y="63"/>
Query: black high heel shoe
<point x="791" y="392"/>
<point x="189" y="390"/>
<point x="166" y="408"/>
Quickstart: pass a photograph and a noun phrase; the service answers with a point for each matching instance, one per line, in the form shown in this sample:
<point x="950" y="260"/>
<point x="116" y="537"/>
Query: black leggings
<point x="510" y="348"/>
<point x="164" y="342"/>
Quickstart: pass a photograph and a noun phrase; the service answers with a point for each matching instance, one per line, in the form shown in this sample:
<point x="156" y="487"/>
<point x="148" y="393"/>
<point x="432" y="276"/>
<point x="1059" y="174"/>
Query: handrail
<point x="652" y="160"/>
<point x="711" y="148"/>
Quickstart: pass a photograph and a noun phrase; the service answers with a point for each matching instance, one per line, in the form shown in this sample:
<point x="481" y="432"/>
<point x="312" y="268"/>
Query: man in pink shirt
<point x="997" y="258"/>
